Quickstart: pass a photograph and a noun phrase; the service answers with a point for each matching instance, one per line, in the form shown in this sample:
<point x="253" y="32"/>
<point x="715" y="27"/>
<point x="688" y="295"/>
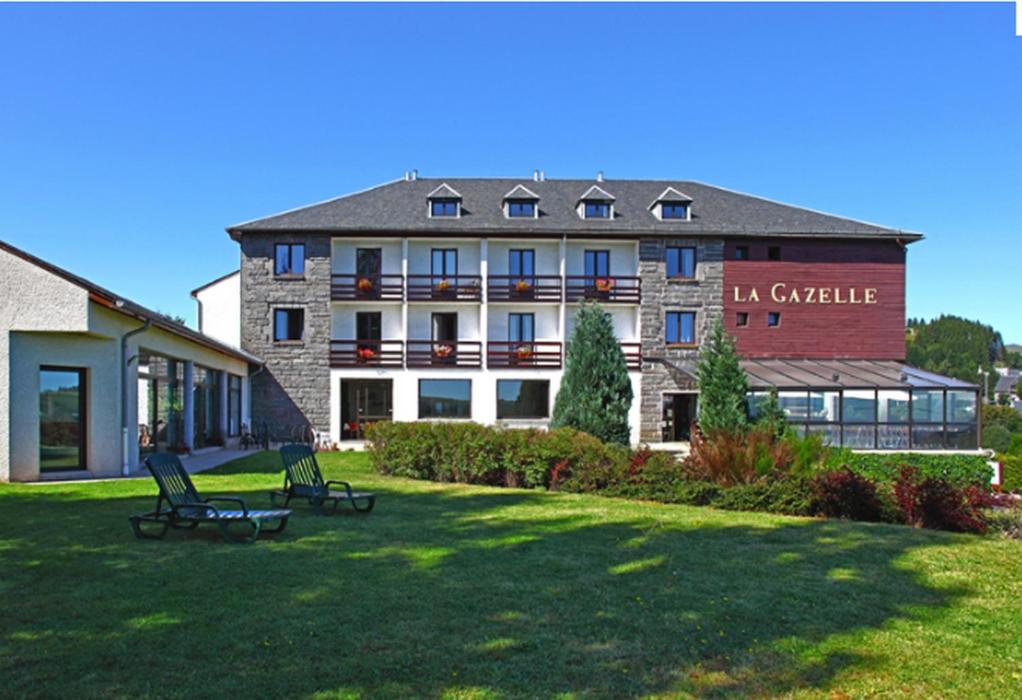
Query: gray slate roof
<point x="399" y="207"/>
<point x="1006" y="383"/>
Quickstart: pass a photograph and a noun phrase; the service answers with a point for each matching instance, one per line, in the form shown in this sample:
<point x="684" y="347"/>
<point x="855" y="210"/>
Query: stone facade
<point x="666" y="370"/>
<point x="294" y="388"/>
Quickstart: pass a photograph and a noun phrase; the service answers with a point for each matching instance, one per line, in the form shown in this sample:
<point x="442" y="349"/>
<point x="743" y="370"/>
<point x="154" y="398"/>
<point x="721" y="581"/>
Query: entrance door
<point x="364" y="401"/>
<point x="679" y="412"/>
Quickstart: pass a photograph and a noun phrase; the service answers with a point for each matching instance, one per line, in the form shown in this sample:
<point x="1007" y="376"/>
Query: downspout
<point x="125" y="362"/>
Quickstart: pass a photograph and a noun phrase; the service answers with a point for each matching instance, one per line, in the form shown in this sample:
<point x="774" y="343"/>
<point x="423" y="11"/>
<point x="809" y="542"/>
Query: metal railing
<point x="367" y="353"/>
<point x="531" y="354"/>
<point x="445" y="288"/>
<point x="367" y="287"/>
<point x="445" y="353"/>
<point x="524" y="288"/>
<point x="606" y="289"/>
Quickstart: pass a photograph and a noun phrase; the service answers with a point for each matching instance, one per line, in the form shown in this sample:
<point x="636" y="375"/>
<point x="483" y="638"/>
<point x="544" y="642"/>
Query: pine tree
<point x="723" y="385"/>
<point x="595" y="393"/>
<point x="772" y="415"/>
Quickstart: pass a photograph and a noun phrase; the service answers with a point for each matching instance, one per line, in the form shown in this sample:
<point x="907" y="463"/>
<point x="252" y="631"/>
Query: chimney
<point x="535" y="175"/>
<point x="542" y="176"/>
<point x="408" y="176"/>
<point x="415" y="174"/>
<point x="599" y="176"/>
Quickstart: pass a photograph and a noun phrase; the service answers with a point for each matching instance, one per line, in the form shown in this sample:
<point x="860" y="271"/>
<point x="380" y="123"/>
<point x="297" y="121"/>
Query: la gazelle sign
<point x="783" y="293"/>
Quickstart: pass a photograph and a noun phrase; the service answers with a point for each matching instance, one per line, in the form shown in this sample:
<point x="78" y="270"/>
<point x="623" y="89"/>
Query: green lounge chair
<point x="303" y="479"/>
<point x="186" y="510"/>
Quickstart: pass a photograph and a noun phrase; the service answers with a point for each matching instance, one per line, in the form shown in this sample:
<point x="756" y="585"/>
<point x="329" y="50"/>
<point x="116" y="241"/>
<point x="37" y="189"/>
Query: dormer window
<point x="444" y="202"/>
<point x="521" y="203"/>
<point x="596" y="203"/>
<point x="672" y="205"/>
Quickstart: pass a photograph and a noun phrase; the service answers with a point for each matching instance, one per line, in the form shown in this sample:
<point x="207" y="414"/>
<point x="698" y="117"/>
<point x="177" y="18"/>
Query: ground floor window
<point x="364" y="402"/>
<point x="233" y="405"/>
<point x="61" y="419"/>
<point x="520" y="398"/>
<point x="445" y="398"/>
<point x="206" y="402"/>
<point x="160" y="403"/>
<point x="882" y="419"/>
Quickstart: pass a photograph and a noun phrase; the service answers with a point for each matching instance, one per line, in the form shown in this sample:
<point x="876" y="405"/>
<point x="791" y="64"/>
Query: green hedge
<point x="1011" y="472"/>
<point x="960" y="470"/>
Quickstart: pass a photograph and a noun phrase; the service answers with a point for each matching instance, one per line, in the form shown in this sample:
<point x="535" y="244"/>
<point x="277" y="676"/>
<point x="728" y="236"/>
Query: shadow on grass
<point x="464" y="592"/>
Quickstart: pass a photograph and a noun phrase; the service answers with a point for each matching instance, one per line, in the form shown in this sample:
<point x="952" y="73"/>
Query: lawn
<point x="456" y="591"/>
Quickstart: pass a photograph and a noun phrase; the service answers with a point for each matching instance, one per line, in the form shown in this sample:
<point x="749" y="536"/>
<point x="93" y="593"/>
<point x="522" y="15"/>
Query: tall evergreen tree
<point x="723" y="385"/>
<point x="595" y="393"/>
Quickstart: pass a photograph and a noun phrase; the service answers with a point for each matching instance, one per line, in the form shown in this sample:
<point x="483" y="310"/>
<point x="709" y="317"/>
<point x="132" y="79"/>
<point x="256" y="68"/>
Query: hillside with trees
<point x="955" y="347"/>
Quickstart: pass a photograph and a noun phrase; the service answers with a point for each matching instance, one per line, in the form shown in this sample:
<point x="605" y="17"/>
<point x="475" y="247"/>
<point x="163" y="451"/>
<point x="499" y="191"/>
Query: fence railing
<point x="445" y="353"/>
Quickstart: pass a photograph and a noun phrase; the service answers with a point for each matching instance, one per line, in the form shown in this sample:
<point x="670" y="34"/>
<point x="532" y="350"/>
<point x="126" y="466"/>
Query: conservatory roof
<point x="845" y="374"/>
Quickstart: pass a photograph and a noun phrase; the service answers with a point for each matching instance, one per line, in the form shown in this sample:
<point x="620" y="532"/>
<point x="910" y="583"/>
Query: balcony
<point x="445" y="289"/>
<point x="445" y="354"/>
<point x="633" y="356"/>
<point x="608" y="290"/>
<point x="367" y="353"/>
<point x="515" y="288"/>
<point x="536" y="354"/>
<point x="366" y="287"/>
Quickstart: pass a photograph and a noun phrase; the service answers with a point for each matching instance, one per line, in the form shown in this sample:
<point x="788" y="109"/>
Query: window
<point x="521" y="209"/>
<point x="742" y="319"/>
<point x="368" y="262"/>
<point x="233" y="405"/>
<point x="520" y="327"/>
<point x="206" y="405"/>
<point x="681" y="262"/>
<point x="288" y="324"/>
<point x="597" y="210"/>
<point x="368" y="327"/>
<point x="521" y="263"/>
<point x="61" y="419"/>
<point x="774" y="319"/>
<point x="443" y="263"/>
<point x="597" y="263"/>
<point x="522" y="399"/>
<point x="445" y="398"/>
<point x="289" y="260"/>
<point x="742" y="252"/>
<point x="681" y="328"/>
<point x="445" y="327"/>
<point x="443" y="207"/>
<point x="774" y="252"/>
<point x="673" y="211"/>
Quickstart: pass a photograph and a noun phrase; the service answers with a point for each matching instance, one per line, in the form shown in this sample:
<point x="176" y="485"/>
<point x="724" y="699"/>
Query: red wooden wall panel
<point x="851" y="299"/>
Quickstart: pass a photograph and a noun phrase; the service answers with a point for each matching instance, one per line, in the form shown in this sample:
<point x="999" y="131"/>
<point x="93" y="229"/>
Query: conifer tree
<point x="723" y="385"/>
<point x="595" y="393"/>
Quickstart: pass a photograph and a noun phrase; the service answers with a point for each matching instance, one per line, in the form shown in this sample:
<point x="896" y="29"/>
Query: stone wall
<point x="664" y="369"/>
<point x="294" y="388"/>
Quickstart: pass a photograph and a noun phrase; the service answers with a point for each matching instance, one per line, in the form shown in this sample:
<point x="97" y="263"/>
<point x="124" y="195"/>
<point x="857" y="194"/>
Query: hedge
<point x="1011" y="472"/>
<point x="960" y="470"/>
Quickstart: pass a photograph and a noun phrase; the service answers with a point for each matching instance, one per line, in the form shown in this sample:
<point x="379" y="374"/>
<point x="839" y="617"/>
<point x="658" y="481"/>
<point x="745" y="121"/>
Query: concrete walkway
<point x="193" y="464"/>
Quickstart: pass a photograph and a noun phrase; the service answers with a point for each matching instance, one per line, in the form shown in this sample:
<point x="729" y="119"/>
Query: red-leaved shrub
<point x="936" y="503"/>
<point x="845" y="494"/>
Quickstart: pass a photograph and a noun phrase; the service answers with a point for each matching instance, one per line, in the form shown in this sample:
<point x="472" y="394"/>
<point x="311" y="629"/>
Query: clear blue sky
<point x="131" y="135"/>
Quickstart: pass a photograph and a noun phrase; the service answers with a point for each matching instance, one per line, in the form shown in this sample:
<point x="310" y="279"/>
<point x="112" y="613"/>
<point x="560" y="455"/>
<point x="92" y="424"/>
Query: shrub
<point x="1006" y="519"/>
<point x="788" y="495"/>
<point x="1003" y="416"/>
<point x="723" y="385"/>
<point x="1011" y="473"/>
<point x="997" y="438"/>
<point x="960" y="470"/>
<point x="807" y="453"/>
<point x="596" y="392"/>
<point x="937" y="503"/>
<point x="734" y="457"/>
<point x="845" y="494"/>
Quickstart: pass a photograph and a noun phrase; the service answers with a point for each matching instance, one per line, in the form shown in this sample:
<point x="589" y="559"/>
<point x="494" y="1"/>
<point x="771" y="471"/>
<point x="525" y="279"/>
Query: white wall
<point x="547" y="255"/>
<point x="484" y="393"/>
<point x="343" y="324"/>
<point x="623" y="257"/>
<point x="547" y="321"/>
<point x="419" y="255"/>
<point x="623" y="316"/>
<point x="343" y="254"/>
<point x="420" y="320"/>
<point x="219" y="310"/>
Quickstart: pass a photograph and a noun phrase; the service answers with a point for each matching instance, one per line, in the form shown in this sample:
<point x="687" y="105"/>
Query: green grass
<point x="455" y="591"/>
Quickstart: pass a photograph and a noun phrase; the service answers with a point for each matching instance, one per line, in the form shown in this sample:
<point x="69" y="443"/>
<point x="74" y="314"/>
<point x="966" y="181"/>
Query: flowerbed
<point x="790" y="475"/>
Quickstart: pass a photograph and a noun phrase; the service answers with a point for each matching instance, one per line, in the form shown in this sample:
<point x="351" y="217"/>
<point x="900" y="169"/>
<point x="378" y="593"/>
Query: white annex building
<point x="91" y="382"/>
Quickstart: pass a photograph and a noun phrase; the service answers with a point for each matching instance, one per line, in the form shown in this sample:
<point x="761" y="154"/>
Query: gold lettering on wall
<point x="780" y="294"/>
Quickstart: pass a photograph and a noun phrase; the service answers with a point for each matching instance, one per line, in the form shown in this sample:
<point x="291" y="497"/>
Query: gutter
<point x="125" y="362"/>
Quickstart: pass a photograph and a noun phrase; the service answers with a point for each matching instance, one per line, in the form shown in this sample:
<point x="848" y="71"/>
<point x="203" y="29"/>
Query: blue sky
<point x="131" y="135"/>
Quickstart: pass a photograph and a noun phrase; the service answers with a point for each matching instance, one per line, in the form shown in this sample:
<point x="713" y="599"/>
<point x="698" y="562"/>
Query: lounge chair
<point x="303" y="479"/>
<point x="186" y="510"/>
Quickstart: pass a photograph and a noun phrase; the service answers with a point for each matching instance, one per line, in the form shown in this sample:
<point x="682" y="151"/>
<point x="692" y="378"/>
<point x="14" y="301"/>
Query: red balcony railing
<point x="524" y="289"/>
<point x="612" y="289"/>
<point x="367" y="287"/>
<point x="633" y="355"/>
<point x="536" y="354"/>
<point x="367" y="353"/>
<point x="445" y="288"/>
<point x="445" y="353"/>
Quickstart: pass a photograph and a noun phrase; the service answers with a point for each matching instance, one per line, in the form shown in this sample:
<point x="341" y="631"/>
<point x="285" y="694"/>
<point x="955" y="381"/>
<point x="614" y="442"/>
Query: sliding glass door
<point x="61" y="419"/>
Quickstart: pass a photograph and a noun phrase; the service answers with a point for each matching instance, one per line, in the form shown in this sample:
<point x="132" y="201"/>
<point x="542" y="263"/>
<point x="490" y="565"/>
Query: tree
<point x="771" y="414"/>
<point x="723" y="385"/>
<point x="955" y="347"/>
<point x="595" y="393"/>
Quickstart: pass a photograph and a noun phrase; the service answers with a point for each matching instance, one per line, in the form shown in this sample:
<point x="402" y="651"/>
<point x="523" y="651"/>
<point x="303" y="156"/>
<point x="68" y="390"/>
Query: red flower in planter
<point x="524" y="352"/>
<point x="443" y="351"/>
<point x="364" y="284"/>
<point x="521" y="286"/>
<point x="365" y="354"/>
<point x="443" y="285"/>
<point x="604" y="284"/>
